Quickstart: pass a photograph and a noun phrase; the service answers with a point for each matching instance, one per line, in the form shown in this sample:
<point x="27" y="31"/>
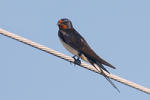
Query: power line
<point x="70" y="59"/>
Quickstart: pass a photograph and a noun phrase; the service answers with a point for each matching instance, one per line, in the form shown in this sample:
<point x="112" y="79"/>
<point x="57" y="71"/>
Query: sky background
<point x="118" y="31"/>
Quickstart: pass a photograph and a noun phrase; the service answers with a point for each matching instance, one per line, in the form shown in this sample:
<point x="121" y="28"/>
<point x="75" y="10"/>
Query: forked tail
<point x="107" y="78"/>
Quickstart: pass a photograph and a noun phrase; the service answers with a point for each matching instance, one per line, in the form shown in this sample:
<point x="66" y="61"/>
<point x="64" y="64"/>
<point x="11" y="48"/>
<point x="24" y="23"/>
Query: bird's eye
<point x="66" y="20"/>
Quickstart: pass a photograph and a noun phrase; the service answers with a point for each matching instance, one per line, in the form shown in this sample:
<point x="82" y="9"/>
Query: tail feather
<point x="107" y="78"/>
<point x="100" y="60"/>
<point x="102" y="67"/>
<point x="100" y="70"/>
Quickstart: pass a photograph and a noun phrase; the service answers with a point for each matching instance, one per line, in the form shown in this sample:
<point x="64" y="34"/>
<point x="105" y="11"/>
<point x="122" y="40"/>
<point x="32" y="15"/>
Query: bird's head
<point x="64" y="24"/>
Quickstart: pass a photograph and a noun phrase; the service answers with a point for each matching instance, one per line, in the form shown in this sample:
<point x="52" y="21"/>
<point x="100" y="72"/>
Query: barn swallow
<point x="78" y="46"/>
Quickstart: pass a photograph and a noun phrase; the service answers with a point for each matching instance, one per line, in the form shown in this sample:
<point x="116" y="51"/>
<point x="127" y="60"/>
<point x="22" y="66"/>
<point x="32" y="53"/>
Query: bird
<point x="79" y="47"/>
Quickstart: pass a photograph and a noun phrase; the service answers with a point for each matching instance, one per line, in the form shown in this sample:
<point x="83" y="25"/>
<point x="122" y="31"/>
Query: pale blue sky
<point x="119" y="32"/>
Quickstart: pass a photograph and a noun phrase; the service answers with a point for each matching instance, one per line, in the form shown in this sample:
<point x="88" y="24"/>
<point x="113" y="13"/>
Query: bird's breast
<point x="69" y="48"/>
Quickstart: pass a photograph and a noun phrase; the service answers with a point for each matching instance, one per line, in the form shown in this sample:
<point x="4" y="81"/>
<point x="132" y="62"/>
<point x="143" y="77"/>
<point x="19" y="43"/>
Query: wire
<point x="70" y="59"/>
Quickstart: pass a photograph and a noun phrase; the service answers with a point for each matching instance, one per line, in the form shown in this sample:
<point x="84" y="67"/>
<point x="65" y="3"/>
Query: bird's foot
<point x="77" y="61"/>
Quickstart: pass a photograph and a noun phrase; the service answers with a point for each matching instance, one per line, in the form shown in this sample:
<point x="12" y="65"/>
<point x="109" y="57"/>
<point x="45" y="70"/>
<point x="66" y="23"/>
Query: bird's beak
<point x="60" y="22"/>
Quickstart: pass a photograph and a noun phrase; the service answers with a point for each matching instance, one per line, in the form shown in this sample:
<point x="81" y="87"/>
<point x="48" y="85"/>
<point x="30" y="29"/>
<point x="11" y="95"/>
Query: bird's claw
<point x="76" y="60"/>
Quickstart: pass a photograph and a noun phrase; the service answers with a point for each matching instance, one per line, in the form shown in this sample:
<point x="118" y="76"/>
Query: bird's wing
<point x="76" y="41"/>
<point x="91" y="54"/>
